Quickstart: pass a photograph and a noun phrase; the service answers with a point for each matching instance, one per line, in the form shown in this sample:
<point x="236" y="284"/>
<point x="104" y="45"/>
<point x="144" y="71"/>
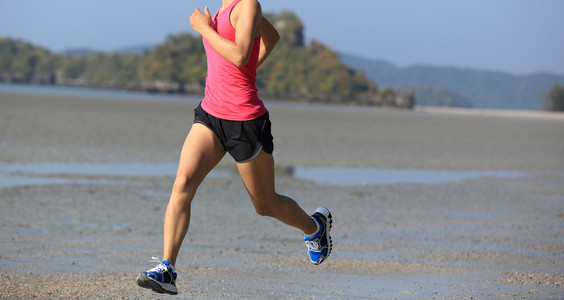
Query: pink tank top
<point x="231" y="92"/>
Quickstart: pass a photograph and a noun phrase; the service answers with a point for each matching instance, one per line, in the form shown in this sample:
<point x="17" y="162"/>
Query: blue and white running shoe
<point x="161" y="279"/>
<point x="319" y="247"/>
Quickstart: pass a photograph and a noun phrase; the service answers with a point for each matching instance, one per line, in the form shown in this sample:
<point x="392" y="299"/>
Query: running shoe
<point x="319" y="247"/>
<point x="161" y="279"/>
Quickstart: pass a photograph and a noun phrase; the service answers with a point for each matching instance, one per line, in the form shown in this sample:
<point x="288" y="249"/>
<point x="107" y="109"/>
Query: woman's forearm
<point x="236" y="54"/>
<point x="269" y="39"/>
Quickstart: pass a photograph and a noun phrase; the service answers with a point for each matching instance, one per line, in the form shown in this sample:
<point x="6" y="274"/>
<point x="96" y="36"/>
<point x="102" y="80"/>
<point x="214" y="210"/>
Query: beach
<point x="86" y="181"/>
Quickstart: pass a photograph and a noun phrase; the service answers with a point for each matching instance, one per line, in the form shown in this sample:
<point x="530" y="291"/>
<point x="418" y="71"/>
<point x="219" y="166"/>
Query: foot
<point x="161" y="279"/>
<point x="319" y="247"/>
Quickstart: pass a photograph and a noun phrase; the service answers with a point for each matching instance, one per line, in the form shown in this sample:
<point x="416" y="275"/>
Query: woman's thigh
<point x="258" y="177"/>
<point x="201" y="152"/>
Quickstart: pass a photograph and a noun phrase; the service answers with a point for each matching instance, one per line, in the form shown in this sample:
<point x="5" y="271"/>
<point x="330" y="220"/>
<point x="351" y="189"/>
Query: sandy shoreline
<point x="506" y="113"/>
<point x="88" y="236"/>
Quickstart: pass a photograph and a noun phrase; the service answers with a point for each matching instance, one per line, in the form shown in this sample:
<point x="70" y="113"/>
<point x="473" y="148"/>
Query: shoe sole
<point x="145" y="282"/>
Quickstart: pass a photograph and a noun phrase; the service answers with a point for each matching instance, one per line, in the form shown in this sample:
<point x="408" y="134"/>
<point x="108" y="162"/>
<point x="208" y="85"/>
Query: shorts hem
<point x="251" y="158"/>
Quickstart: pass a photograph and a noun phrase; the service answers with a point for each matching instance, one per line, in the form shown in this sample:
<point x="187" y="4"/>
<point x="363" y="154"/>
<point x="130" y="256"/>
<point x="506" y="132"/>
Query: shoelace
<point x="160" y="268"/>
<point x="312" y="246"/>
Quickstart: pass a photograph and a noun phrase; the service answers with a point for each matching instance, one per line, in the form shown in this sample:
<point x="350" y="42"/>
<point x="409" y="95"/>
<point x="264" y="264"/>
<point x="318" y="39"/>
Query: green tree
<point x="292" y="34"/>
<point x="555" y="98"/>
<point x="72" y="67"/>
<point x="24" y="62"/>
<point x="181" y="59"/>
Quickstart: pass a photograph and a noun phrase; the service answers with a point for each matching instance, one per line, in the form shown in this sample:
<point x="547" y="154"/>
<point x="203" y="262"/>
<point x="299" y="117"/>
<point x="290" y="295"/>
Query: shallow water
<point x="372" y="176"/>
<point x="18" y="174"/>
<point x="82" y="92"/>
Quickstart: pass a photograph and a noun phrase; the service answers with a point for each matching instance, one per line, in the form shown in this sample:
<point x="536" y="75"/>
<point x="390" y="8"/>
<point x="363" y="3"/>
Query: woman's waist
<point x="235" y="109"/>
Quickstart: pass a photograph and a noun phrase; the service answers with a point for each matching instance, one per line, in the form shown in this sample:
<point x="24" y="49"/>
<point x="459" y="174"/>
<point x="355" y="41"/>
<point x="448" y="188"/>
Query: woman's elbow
<point x="270" y="43"/>
<point x="240" y="61"/>
<point x="273" y="39"/>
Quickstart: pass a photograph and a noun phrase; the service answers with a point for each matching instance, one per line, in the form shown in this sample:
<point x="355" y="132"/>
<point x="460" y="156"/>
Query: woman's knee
<point x="266" y="207"/>
<point x="264" y="211"/>
<point x="185" y="184"/>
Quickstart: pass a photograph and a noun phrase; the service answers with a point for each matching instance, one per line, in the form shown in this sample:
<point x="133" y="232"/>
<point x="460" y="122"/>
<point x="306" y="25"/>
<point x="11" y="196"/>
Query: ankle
<point x="315" y="229"/>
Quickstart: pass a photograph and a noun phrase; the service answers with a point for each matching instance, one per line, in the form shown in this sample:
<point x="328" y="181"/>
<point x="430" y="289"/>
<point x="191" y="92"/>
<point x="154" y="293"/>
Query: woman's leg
<point x="258" y="177"/>
<point x="201" y="152"/>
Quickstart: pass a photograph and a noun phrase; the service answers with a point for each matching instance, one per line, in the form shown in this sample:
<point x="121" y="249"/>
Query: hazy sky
<point x="518" y="36"/>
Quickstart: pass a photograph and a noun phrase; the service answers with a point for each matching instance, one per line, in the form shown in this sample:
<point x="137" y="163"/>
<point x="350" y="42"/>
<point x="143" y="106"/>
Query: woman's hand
<point x="200" y="21"/>
<point x="248" y="21"/>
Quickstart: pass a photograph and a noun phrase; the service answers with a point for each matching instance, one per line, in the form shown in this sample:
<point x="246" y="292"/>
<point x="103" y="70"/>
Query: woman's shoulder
<point x="249" y="8"/>
<point x="251" y="5"/>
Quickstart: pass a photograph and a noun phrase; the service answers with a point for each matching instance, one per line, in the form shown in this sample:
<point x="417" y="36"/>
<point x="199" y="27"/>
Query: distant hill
<point x="134" y="49"/>
<point x="79" y="51"/>
<point x="480" y="89"/>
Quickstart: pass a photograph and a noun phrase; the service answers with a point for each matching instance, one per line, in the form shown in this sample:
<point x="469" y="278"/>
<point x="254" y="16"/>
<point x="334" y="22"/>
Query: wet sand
<point x="87" y="236"/>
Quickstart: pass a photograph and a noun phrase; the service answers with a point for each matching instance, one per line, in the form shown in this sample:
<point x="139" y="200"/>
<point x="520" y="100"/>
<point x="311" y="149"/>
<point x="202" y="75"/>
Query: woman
<point x="232" y="119"/>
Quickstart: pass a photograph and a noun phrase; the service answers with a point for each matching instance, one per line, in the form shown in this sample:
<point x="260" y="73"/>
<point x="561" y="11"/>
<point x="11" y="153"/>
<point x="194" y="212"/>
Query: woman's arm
<point x="269" y="39"/>
<point x="248" y="20"/>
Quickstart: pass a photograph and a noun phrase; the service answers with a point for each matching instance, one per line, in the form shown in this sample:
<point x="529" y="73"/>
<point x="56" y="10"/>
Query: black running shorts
<point x="243" y="140"/>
